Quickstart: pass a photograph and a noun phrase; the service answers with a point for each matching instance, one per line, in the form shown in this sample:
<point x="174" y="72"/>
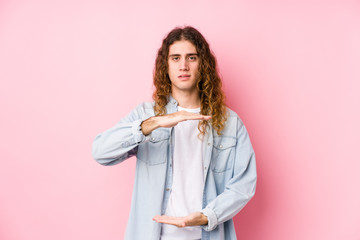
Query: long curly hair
<point x="212" y="98"/>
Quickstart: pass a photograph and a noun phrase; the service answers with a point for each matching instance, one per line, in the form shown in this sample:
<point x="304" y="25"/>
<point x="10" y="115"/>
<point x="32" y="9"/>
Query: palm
<point x="171" y="120"/>
<point x="193" y="219"/>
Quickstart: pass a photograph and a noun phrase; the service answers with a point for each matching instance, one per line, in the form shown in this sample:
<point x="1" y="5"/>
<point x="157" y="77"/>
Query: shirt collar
<point x="172" y="105"/>
<point x="172" y="100"/>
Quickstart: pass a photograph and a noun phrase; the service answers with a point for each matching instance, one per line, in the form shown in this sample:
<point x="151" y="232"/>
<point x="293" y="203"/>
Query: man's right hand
<point x="169" y="120"/>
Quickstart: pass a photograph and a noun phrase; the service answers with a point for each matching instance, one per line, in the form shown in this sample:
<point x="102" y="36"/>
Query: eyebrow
<point x="177" y="55"/>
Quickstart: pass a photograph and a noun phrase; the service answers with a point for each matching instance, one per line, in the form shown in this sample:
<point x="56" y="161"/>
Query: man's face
<point x="183" y="65"/>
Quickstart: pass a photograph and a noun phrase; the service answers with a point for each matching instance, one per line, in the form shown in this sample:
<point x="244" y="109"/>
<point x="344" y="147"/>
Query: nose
<point x="184" y="65"/>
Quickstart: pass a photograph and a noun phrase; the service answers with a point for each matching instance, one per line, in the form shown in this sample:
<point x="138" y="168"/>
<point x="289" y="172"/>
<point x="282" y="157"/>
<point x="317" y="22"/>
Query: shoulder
<point x="145" y="106"/>
<point x="233" y="120"/>
<point x="141" y="111"/>
<point x="230" y="126"/>
<point x="236" y="126"/>
<point x="232" y="114"/>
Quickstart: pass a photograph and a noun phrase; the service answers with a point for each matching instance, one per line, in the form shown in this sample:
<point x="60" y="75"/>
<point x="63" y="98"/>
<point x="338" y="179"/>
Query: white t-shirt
<point x="187" y="187"/>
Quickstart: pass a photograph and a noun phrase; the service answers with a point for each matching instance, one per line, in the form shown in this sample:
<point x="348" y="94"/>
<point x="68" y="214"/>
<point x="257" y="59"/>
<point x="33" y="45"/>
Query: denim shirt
<point x="229" y="171"/>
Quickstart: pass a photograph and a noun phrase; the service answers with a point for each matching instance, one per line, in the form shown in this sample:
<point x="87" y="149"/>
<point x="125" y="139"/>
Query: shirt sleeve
<point x="121" y="141"/>
<point x="212" y="219"/>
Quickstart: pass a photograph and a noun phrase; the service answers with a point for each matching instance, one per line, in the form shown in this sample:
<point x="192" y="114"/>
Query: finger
<point x="165" y="218"/>
<point x="179" y="224"/>
<point x="198" y="117"/>
<point x="205" y="117"/>
<point x="184" y="115"/>
<point x="176" y="221"/>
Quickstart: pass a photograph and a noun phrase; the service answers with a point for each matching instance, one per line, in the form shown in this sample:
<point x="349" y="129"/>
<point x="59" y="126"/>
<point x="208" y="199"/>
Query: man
<point x="195" y="167"/>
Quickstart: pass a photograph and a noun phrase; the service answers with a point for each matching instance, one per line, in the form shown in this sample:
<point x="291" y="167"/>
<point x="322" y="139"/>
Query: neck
<point x="187" y="99"/>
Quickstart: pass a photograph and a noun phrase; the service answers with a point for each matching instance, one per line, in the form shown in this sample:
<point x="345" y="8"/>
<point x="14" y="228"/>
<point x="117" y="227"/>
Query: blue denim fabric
<point x="229" y="171"/>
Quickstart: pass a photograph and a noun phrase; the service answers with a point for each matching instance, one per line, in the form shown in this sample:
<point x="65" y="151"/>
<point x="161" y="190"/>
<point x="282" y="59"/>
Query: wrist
<point x="204" y="219"/>
<point x="149" y="125"/>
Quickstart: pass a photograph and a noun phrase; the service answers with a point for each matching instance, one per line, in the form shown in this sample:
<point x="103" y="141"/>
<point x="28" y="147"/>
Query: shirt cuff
<point x="138" y="134"/>
<point x="212" y="219"/>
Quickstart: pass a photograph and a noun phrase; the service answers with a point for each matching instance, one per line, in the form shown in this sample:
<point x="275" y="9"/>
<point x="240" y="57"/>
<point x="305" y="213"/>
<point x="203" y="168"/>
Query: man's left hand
<point x="193" y="219"/>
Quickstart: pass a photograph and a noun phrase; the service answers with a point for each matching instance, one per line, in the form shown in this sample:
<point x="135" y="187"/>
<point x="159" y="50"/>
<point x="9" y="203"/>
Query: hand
<point x="169" y="120"/>
<point x="193" y="219"/>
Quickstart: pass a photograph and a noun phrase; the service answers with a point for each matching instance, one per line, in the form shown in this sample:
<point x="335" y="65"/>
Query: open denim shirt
<point x="229" y="171"/>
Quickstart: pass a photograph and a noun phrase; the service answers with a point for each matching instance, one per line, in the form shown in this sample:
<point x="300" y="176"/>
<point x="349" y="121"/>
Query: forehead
<point x="182" y="47"/>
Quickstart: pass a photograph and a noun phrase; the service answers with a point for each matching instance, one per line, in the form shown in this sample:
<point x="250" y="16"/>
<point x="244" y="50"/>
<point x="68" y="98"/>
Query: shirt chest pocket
<point x="223" y="154"/>
<point x="155" y="150"/>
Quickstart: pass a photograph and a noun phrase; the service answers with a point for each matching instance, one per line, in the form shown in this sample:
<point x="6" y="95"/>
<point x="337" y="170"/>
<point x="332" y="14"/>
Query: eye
<point x="175" y="59"/>
<point x="192" y="58"/>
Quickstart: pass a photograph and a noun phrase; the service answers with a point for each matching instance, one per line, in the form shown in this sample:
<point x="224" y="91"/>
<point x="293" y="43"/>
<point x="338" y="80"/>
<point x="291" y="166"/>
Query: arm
<point x="120" y="142"/>
<point x="241" y="187"/>
<point x="169" y="120"/>
<point x="238" y="191"/>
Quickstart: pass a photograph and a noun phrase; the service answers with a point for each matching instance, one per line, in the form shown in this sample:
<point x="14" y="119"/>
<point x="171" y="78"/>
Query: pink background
<point x="71" y="69"/>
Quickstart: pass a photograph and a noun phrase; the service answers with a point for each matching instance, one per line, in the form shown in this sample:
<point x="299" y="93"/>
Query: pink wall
<point x="71" y="69"/>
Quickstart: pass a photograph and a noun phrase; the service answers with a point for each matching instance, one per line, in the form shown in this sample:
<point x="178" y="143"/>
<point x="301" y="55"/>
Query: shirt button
<point x="220" y="146"/>
<point x="205" y="168"/>
<point x="170" y="165"/>
<point x="167" y="189"/>
<point x="152" y="139"/>
<point x="209" y="144"/>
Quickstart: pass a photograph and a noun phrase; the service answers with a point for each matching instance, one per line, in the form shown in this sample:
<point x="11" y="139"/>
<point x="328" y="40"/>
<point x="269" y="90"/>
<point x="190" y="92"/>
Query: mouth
<point x="184" y="76"/>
